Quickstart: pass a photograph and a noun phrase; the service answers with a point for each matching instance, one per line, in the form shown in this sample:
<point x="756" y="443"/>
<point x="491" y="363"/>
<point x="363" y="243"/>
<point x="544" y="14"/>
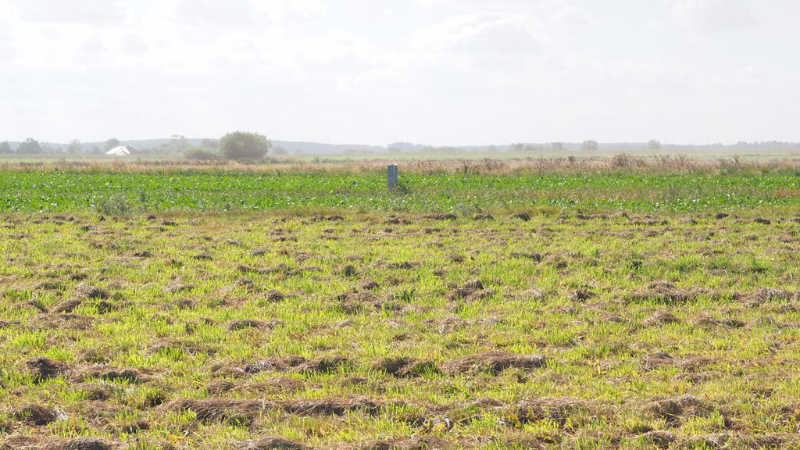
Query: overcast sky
<point x="440" y="72"/>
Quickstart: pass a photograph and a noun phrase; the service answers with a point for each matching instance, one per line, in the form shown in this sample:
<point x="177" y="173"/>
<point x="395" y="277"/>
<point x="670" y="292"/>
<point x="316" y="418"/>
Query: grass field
<point x="631" y="310"/>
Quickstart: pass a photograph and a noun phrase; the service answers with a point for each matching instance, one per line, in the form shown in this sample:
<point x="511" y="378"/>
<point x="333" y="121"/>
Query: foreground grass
<point x="584" y="331"/>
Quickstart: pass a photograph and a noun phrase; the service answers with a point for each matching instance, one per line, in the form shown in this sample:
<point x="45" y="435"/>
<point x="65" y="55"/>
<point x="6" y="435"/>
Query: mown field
<point x="512" y="324"/>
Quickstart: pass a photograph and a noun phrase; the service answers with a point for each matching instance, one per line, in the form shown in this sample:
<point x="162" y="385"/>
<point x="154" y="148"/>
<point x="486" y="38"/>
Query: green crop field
<point x="188" y="190"/>
<point x="277" y="309"/>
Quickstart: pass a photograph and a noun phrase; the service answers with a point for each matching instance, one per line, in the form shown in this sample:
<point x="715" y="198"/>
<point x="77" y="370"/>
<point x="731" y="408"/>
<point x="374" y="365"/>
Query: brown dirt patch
<point x="493" y="362"/>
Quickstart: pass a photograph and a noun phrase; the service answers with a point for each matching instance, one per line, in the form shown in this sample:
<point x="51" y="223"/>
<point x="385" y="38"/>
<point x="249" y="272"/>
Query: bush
<point x="240" y="145"/>
<point x="114" y="206"/>
<point x="201" y="154"/>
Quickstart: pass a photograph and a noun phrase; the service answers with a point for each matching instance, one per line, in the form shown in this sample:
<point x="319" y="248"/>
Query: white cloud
<point x="713" y="15"/>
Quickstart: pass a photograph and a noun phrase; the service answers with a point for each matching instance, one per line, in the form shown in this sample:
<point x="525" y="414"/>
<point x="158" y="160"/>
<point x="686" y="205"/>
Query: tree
<point x="74" y="146"/>
<point x="5" y="147"/>
<point x="112" y="143"/>
<point x="29" y="146"/>
<point x="590" y="146"/>
<point x="654" y="145"/>
<point x="240" y="145"/>
<point x="557" y="146"/>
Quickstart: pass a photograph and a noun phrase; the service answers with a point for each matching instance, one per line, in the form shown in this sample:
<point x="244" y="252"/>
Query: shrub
<point x="241" y="145"/>
<point x="201" y="154"/>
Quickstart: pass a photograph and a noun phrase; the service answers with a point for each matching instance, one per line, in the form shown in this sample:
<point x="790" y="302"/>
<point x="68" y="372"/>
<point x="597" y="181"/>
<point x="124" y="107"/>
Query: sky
<point x="434" y="72"/>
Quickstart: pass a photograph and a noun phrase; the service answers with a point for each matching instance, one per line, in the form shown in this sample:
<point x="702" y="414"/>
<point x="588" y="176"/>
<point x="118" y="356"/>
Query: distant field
<point x="462" y="189"/>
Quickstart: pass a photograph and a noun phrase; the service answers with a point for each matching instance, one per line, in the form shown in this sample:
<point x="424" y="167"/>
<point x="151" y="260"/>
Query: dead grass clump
<point x="557" y="410"/>
<point x="94" y="391"/>
<point x="413" y="443"/>
<point x="659" y="439"/>
<point x="243" y="324"/>
<point x="274" y="295"/>
<point x="369" y="285"/>
<point x="493" y="362"/>
<point x="272" y="443"/>
<point x="297" y="364"/>
<point x="110" y="373"/>
<point x="708" y="321"/>
<point x="405" y="367"/>
<point x="766" y="295"/>
<point x="440" y="217"/>
<point x="525" y="217"/>
<point x="532" y="256"/>
<point x="79" y="444"/>
<point x="483" y="216"/>
<point x="331" y="406"/>
<point x="275" y="384"/>
<point x="663" y="359"/>
<point x="220" y="410"/>
<point x="36" y="415"/>
<point x="469" y="289"/>
<point x="66" y="305"/>
<point x="662" y="292"/>
<point x="92" y="292"/>
<point x="46" y="368"/>
<point x="64" y="321"/>
<point x="673" y="410"/>
<point x="661" y="318"/>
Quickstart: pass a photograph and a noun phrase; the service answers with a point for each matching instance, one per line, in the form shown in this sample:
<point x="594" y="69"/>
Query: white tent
<point x="122" y="150"/>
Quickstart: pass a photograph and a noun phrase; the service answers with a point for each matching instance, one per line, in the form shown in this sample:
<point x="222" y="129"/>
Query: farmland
<point x="495" y="309"/>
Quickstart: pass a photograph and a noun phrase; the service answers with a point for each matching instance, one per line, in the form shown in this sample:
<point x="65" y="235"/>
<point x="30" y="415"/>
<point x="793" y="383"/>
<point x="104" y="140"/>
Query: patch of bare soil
<point x="493" y="362"/>
<point x="236" y="411"/>
<point x="331" y="406"/>
<point x="405" y="367"/>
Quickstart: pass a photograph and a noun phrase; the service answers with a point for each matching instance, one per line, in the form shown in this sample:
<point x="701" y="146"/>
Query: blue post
<point x="393" y="176"/>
